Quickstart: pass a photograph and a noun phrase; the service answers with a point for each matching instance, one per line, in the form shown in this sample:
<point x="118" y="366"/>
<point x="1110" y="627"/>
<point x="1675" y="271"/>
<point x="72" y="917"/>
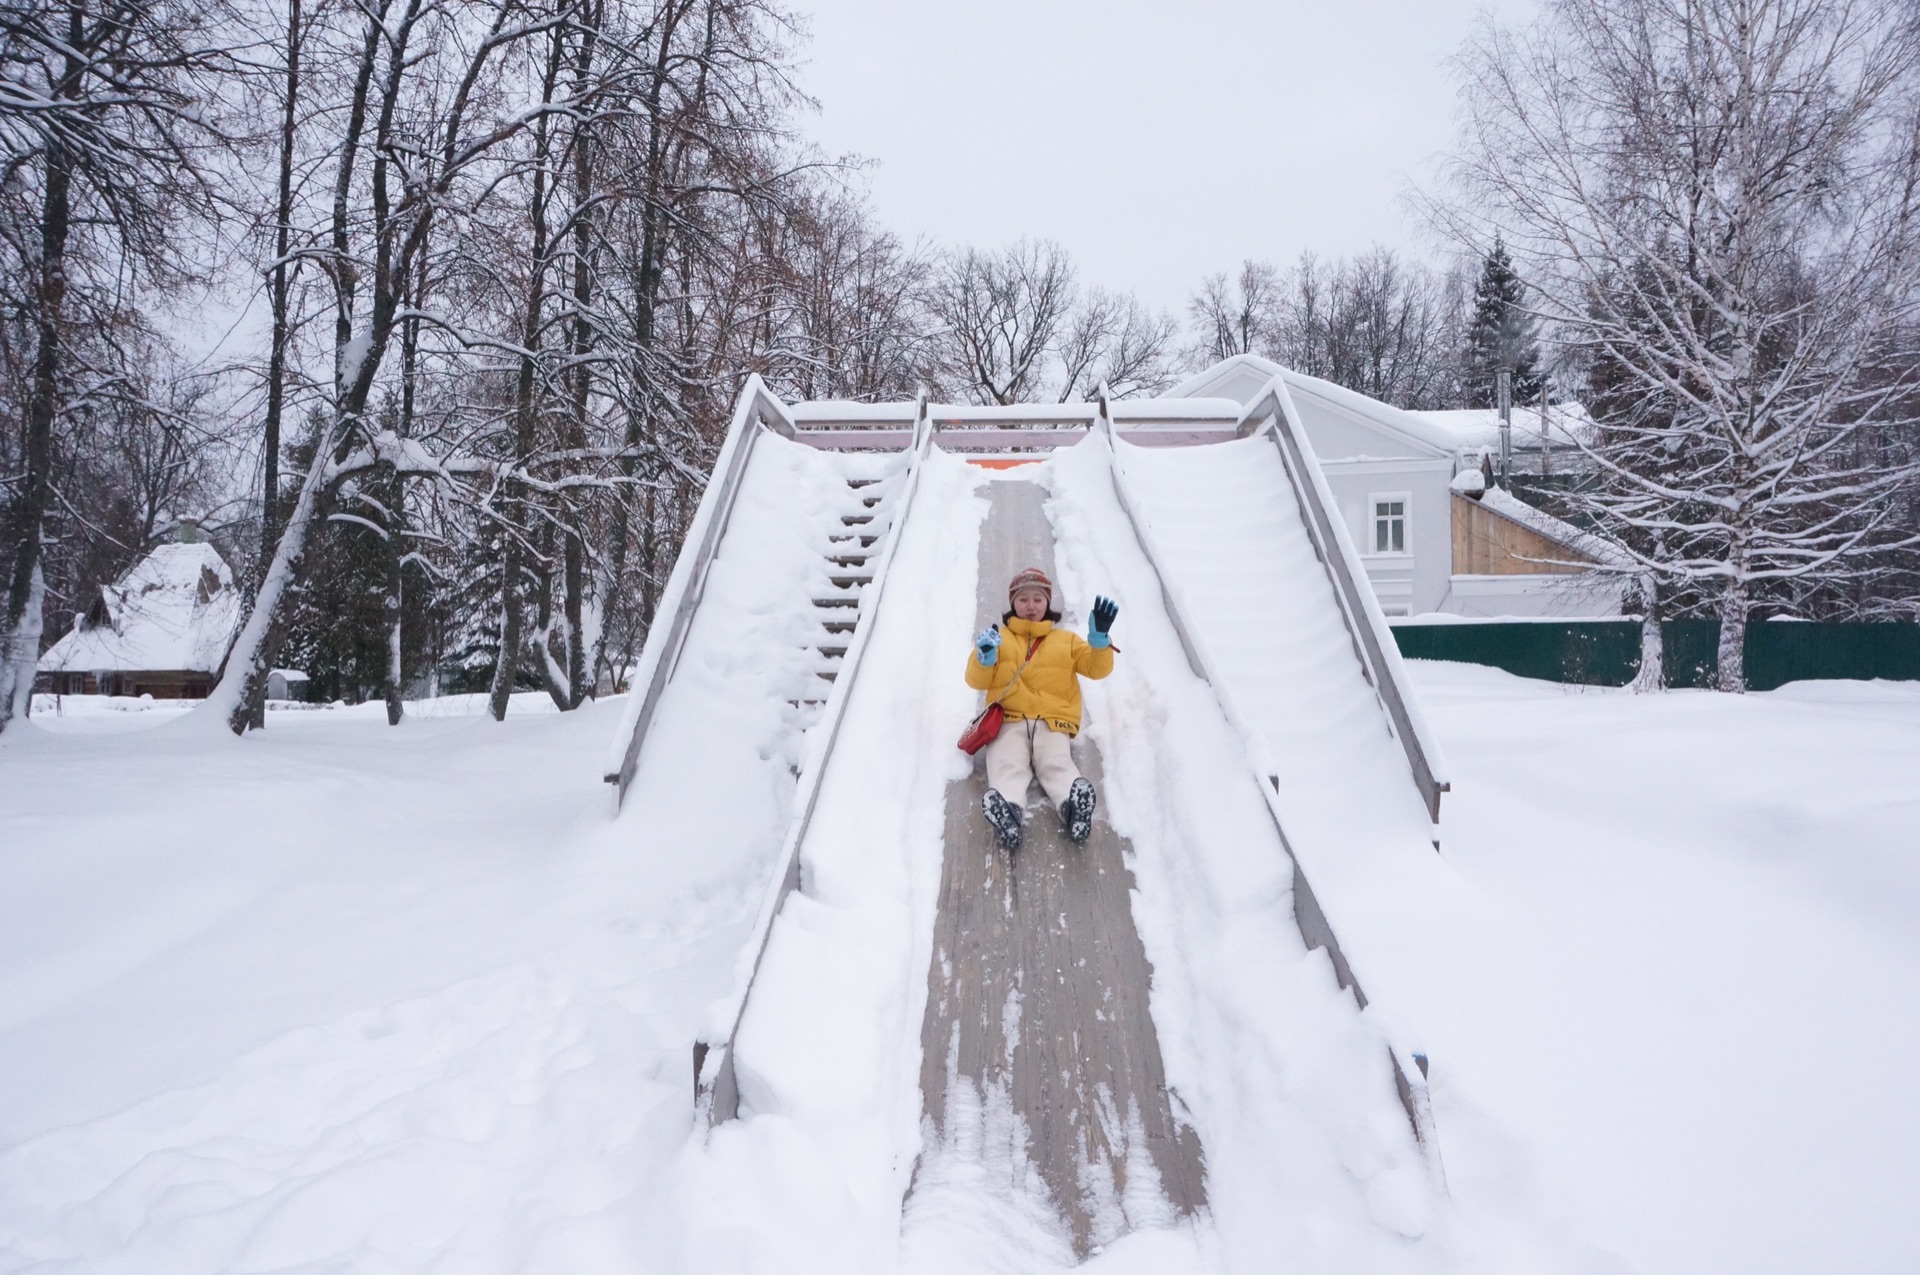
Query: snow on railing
<point x="681" y="598"/>
<point x="1409" y="1067"/>
<point x="715" y="1080"/>
<point x="1272" y="410"/>
<point x="963" y="427"/>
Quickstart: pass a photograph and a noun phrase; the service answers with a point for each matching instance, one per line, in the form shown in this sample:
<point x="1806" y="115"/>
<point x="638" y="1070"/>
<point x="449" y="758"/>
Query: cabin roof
<point x="175" y="611"/>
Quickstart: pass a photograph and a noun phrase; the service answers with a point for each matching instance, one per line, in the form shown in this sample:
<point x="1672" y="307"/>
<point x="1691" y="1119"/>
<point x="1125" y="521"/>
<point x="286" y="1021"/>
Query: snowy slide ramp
<point x="1037" y="1030"/>
<point x="1149" y="1044"/>
<point x="1251" y="549"/>
<point x="740" y="689"/>
<point x="1157" y="1044"/>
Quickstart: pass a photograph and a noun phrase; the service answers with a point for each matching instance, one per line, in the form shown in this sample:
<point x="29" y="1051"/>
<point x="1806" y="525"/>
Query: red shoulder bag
<point x="981" y="730"/>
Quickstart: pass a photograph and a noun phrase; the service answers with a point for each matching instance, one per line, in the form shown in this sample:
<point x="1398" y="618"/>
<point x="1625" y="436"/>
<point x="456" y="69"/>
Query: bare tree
<point x="1717" y="204"/>
<point x="1000" y="314"/>
<point x="847" y="309"/>
<point x="1373" y="324"/>
<point x="1111" y="337"/>
<point x="1240" y="316"/>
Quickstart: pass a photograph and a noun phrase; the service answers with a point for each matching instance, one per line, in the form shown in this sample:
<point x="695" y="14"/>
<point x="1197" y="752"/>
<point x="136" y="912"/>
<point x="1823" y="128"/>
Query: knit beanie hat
<point x="1031" y="578"/>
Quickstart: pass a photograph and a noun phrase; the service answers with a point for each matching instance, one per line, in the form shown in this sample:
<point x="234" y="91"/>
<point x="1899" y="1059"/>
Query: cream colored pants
<point x="1023" y="749"/>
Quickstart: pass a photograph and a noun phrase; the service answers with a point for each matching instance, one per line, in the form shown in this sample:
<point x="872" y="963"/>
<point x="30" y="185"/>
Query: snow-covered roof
<point x="1462" y="432"/>
<point x="1478" y="428"/>
<point x="174" y="612"/>
<point x="1243" y="376"/>
<point x="1514" y="509"/>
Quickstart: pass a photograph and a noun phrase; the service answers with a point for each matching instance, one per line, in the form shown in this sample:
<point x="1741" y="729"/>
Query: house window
<point x="1389" y="522"/>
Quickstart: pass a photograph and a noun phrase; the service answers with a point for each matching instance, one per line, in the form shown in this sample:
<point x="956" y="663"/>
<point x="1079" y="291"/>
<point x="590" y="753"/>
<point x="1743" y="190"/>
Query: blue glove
<point x="1104" y="611"/>
<point x="988" y="647"/>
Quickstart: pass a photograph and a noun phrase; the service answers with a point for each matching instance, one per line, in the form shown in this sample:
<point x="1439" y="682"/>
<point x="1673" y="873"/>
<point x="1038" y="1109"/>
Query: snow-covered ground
<point x="1686" y="1017"/>
<point x="346" y="997"/>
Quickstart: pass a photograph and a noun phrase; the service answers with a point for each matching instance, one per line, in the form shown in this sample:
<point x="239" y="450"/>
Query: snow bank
<point x="348" y="997"/>
<point x="1678" y="1023"/>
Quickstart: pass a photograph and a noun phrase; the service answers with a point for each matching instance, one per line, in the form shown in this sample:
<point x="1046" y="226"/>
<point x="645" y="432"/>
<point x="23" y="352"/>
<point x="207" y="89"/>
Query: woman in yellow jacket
<point x="1036" y="681"/>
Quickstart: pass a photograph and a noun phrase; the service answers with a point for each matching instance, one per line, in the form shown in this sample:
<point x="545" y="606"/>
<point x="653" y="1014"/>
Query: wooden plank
<point x="1491" y="544"/>
<point x="1038" y="987"/>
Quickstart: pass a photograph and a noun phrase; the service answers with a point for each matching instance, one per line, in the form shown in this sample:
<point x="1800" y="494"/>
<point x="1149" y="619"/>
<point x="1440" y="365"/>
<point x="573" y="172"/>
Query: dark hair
<point x="1050" y="615"/>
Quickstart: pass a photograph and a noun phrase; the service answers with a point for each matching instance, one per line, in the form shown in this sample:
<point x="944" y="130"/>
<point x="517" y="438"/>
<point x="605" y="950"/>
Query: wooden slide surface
<point x="1037" y="991"/>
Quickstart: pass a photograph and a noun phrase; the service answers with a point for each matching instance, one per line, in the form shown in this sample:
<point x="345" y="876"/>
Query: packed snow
<point x="340" y="996"/>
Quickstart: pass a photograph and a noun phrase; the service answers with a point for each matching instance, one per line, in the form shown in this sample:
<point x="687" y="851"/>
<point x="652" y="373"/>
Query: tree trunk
<point x="579" y="673"/>
<point x="26" y="651"/>
<point x="575" y="573"/>
<point x="525" y="405"/>
<point x="396" y="550"/>
<point x="553" y="673"/>
<point x="506" y="664"/>
<point x="396" y="520"/>
<point x="1734" y="604"/>
<point x="26" y="587"/>
<point x="242" y="693"/>
<point x="282" y="281"/>
<point x="1653" y="673"/>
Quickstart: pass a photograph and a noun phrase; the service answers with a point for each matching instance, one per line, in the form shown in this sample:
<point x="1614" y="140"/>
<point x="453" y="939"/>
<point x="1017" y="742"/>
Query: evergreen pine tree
<point x="1500" y="334"/>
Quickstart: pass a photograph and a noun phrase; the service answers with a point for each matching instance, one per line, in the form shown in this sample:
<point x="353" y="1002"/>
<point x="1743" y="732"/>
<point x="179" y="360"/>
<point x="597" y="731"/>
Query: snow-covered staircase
<point x="864" y="517"/>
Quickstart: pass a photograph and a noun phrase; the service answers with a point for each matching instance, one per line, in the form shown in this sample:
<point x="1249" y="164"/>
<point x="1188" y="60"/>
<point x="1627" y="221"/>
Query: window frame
<point x="1374" y="500"/>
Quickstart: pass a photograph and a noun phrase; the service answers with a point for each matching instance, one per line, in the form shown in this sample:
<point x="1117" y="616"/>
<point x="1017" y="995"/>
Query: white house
<point x="162" y="630"/>
<point x="1429" y="547"/>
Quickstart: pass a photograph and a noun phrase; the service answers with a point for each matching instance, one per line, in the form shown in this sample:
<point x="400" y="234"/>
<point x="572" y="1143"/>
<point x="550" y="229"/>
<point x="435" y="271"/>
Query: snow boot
<point x="1004" y="816"/>
<point x="1078" y="811"/>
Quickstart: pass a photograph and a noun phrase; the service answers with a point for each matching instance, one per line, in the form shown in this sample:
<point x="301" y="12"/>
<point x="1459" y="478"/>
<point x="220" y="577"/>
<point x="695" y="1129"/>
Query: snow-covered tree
<point x="1718" y="205"/>
<point x="103" y="154"/>
<point x="1500" y="335"/>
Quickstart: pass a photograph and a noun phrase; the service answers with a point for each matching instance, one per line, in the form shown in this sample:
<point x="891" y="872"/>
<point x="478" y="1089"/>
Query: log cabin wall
<point x="1487" y="544"/>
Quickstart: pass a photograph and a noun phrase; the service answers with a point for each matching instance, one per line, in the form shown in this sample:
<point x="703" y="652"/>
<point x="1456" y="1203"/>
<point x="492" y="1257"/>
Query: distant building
<point x="162" y="630"/>
<point x="287" y="684"/>
<point x="1429" y="545"/>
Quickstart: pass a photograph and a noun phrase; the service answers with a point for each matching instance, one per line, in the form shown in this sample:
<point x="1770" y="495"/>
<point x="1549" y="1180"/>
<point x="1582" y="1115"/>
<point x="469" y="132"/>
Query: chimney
<point x="187" y="531"/>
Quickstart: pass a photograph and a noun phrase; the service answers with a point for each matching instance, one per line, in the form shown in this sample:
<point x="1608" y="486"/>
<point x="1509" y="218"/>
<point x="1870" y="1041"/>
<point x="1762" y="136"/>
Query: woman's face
<point x="1030" y="604"/>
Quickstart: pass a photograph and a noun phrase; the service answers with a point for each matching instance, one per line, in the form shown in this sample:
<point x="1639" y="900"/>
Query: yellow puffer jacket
<point x="1049" y="690"/>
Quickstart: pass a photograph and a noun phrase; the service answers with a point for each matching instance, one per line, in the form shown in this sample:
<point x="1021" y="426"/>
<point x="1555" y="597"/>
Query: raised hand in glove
<point x="1104" y="611"/>
<point x="988" y="645"/>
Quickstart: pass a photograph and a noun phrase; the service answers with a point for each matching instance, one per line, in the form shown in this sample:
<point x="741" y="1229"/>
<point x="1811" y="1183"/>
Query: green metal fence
<point x="1607" y="652"/>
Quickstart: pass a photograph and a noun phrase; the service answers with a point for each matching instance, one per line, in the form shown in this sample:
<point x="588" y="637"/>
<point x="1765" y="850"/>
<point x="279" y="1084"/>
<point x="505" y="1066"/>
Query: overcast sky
<point x="1158" y="142"/>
